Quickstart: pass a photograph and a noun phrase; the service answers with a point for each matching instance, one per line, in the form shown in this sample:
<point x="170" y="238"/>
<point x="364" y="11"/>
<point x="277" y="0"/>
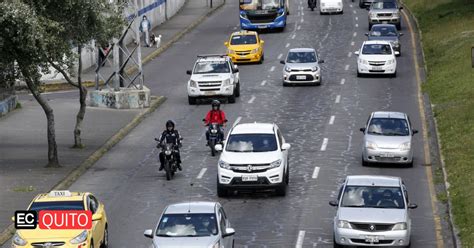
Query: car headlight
<point x="344" y="224"/>
<point x="17" y="240"/>
<point x="400" y="226"/>
<point x="287" y="69"/>
<point x="395" y="15"/>
<point x="168" y="152"/>
<point x="82" y="237"/>
<point x="243" y="15"/>
<point x="405" y="146"/>
<point x="216" y="245"/>
<point x="226" y="82"/>
<point x="391" y="61"/>
<point x="192" y="84"/>
<point x="363" y="61"/>
<point x="373" y="15"/>
<point x="370" y="145"/>
<point x="224" y="165"/>
<point x="315" y="68"/>
<point x="254" y="50"/>
<point x="275" y="164"/>
<point x="230" y="51"/>
<point x="323" y="5"/>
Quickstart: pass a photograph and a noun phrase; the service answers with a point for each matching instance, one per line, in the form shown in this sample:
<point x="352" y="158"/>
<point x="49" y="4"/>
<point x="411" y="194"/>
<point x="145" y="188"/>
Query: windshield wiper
<point x="353" y="206"/>
<point x="165" y="235"/>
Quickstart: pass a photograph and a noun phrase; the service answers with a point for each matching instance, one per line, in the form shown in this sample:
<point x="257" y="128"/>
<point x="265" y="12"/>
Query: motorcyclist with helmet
<point x="215" y="115"/>
<point x="170" y="136"/>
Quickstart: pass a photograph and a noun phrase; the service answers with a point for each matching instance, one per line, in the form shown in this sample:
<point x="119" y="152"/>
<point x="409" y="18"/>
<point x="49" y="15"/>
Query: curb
<point x="67" y="181"/>
<point x="436" y="139"/>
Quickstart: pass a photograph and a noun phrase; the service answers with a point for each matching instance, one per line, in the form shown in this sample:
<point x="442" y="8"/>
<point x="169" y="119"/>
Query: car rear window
<point x="58" y="205"/>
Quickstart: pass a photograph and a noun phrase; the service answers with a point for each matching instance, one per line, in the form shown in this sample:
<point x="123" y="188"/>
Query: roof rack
<point x="212" y="55"/>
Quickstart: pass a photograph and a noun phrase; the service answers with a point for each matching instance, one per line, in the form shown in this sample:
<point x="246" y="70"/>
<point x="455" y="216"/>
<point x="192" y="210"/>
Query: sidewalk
<point x="23" y="139"/>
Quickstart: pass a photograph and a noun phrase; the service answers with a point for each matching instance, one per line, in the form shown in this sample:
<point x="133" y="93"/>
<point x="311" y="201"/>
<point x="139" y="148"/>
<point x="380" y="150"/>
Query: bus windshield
<point x="260" y="4"/>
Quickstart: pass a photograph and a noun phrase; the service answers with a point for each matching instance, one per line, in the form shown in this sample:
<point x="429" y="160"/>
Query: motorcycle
<point x="170" y="163"/>
<point x="214" y="137"/>
<point x="312" y="4"/>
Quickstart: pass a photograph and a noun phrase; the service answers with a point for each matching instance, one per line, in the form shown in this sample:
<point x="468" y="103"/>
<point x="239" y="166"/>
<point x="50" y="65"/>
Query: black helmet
<point x="216" y="103"/>
<point x="170" y="123"/>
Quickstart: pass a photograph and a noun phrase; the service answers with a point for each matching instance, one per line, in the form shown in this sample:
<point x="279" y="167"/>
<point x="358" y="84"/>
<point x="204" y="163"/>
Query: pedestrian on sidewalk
<point x="145" y="27"/>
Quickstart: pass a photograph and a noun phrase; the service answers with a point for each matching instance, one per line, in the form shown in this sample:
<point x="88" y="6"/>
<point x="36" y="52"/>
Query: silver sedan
<point x="302" y="67"/>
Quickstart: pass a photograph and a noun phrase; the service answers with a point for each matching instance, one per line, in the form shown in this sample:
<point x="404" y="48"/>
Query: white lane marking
<point x="354" y="11"/>
<point x="349" y="54"/>
<point x="355" y="34"/>
<point x="357" y="25"/>
<point x="350" y="5"/>
<point x="315" y="172"/>
<point x="237" y="120"/>
<point x="201" y="173"/>
<point x="346" y="68"/>
<point x="325" y="144"/>
<point x="299" y="241"/>
<point x="357" y="18"/>
<point x="302" y="20"/>
<point x="287" y="45"/>
<point x="299" y="26"/>
<point x="331" y="120"/>
<point x="293" y="36"/>
<point x="353" y="43"/>
<point x="302" y="13"/>
<point x="280" y="55"/>
<point x="263" y="82"/>
<point x="252" y="99"/>
<point x="338" y="98"/>
<point x="272" y="68"/>
<point x="235" y="28"/>
<point x="343" y="81"/>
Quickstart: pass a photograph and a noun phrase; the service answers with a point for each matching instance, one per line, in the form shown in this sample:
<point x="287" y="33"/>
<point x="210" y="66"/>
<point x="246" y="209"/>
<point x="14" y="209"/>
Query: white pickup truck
<point x="213" y="76"/>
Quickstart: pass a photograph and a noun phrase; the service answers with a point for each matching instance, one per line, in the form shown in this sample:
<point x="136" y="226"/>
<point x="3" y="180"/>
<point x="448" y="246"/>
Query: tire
<point x="286" y="84"/>
<point x="312" y="8"/>
<point x="233" y="243"/>
<point x="231" y="99"/>
<point x="281" y="190"/>
<point x="336" y="245"/>
<point x="105" y="242"/>
<point x="399" y="26"/>
<point x="287" y="177"/>
<point x="359" y="74"/>
<point x="212" y="145"/>
<point x="92" y="243"/>
<point x="394" y="75"/>
<point x="365" y="163"/>
<point x="410" y="165"/>
<point x="237" y="90"/>
<point x="167" y="170"/>
<point x="221" y="191"/>
<point x="191" y="100"/>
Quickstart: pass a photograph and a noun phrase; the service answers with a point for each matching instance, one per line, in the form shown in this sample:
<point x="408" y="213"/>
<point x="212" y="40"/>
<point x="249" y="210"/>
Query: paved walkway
<point x="23" y="143"/>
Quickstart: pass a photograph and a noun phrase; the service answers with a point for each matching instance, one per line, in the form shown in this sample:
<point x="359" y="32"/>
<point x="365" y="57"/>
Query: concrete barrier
<point x="8" y="104"/>
<point x="126" y="98"/>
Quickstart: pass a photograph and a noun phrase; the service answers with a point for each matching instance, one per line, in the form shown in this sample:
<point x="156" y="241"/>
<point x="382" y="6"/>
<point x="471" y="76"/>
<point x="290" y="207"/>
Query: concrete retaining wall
<point x="8" y="104"/>
<point x="126" y="98"/>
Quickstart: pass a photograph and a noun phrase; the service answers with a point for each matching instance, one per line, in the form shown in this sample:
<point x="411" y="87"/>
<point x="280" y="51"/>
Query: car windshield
<point x="384" y="5"/>
<point x="383" y="31"/>
<point x="376" y="49"/>
<point x="252" y="143"/>
<point x="187" y="225"/>
<point x="301" y="57"/>
<point x="243" y="39"/>
<point x="259" y="4"/>
<point x="211" y="67"/>
<point x="372" y="197"/>
<point x="58" y="205"/>
<point x="388" y="127"/>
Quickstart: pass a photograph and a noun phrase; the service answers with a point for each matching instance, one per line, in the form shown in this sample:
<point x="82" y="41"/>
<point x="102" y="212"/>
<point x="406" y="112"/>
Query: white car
<point x="213" y="76"/>
<point x="255" y="156"/>
<point x="331" y="6"/>
<point x="377" y="57"/>
<point x="192" y="224"/>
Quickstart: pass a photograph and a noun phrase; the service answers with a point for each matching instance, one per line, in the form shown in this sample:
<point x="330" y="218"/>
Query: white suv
<point x="255" y="156"/>
<point x="213" y="76"/>
<point x="377" y="57"/>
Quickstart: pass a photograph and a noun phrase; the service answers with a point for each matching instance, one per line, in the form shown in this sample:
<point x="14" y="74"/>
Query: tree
<point x="22" y="42"/>
<point x="76" y="23"/>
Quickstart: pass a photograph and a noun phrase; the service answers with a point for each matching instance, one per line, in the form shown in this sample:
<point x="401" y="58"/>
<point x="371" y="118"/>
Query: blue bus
<point x="263" y="14"/>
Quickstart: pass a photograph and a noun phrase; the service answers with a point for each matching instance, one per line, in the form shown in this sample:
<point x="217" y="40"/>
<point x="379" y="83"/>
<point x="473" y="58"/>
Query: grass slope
<point x="448" y="34"/>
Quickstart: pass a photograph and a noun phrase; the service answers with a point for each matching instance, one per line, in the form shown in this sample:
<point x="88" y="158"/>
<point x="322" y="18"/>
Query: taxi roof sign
<point x="60" y="193"/>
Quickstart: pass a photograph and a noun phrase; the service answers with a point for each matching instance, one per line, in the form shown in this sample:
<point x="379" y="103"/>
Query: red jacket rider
<point x="215" y="115"/>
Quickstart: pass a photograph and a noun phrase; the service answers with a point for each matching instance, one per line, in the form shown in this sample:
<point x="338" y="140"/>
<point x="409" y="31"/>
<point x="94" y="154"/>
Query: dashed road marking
<point x="349" y="54"/>
<point x="263" y="82"/>
<point x="356" y="25"/>
<point x="343" y="81"/>
<point x="346" y="67"/>
<point x="293" y="36"/>
<point x="338" y="98"/>
<point x="299" y="27"/>
<point x="237" y="120"/>
<point x="315" y="172"/>
<point x="353" y="43"/>
<point x="355" y="34"/>
<point x="280" y="55"/>
<point x="350" y="5"/>
<point x="302" y="20"/>
<point x="357" y="18"/>
<point x="299" y="241"/>
<point x="331" y="120"/>
<point x="287" y="45"/>
<point x="325" y="144"/>
<point x="201" y="173"/>
<point x="272" y="68"/>
<point x="354" y="11"/>
<point x="252" y="99"/>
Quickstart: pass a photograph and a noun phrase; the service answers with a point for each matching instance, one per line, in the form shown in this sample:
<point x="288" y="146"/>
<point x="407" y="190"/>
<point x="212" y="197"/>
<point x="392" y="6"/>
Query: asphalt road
<point x="135" y="193"/>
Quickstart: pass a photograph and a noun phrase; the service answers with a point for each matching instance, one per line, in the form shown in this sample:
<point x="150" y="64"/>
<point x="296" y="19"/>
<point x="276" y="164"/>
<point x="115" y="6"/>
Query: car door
<point x="224" y="224"/>
<point x="97" y="229"/>
<point x="407" y="201"/>
<point x="281" y="140"/>
<point x="235" y="74"/>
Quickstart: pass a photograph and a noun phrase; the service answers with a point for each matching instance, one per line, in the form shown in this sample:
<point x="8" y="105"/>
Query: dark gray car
<point x="386" y="32"/>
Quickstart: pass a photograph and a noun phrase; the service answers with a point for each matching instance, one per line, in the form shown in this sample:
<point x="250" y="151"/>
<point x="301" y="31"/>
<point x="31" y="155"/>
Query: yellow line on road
<point x="426" y="145"/>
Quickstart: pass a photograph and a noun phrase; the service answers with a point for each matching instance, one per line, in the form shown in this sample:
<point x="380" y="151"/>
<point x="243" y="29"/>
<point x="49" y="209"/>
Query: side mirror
<point x="285" y="146"/>
<point x="156" y="139"/>
<point x="226" y="43"/>
<point x="96" y="217"/>
<point x="362" y="129"/>
<point x="181" y="138"/>
<point x="412" y="206"/>
<point x="356" y="53"/>
<point x="321" y="61"/>
<point x="401" y="7"/>
<point x="228" y="232"/>
<point x="414" y="131"/>
<point x="400" y="34"/>
<point x="148" y="233"/>
<point x="282" y="62"/>
<point x="366" y="34"/>
<point x="236" y="69"/>
<point x="334" y="203"/>
<point x="218" y="147"/>
<point x="189" y="72"/>
<point x="397" y="53"/>
<point x="203" y="119"/>
<point x="262" y="42"/>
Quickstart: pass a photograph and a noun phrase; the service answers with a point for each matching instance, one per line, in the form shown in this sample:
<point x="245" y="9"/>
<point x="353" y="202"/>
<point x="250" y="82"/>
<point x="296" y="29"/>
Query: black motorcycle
<point x="214" y="137"/>
<point x="312" y="4"/>
<point x="170" y="163"/>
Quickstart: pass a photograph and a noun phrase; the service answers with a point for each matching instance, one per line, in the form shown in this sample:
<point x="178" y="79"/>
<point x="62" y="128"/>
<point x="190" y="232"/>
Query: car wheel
<point x="191" y="100"/>
<point x="231" y="99"/>
<point x="399" y="26"/>
<point x="286" y="84"/>
<point x="394" y="75"/>
<point x="321" y="13"/>
<point x="237" y="90"/>
<point x="410" y="165"/>
<point x="92" y="243"/>
<point x="361" y="5"/>
<point x="281" y="190"/>
<point x="364" y="163"/>
<point x="359" y="74"/>
<point x="336" y="245"/>
<point x="221" y="191"/>
<point x="105" y="242"/>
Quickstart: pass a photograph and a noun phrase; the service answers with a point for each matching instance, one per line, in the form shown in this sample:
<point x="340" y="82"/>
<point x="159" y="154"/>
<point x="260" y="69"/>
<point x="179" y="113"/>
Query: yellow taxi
<point x="245" y="47"/>
<point x="97" y="236"/>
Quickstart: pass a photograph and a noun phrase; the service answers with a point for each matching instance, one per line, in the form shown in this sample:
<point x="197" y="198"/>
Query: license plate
<point x="243" y="56"/>
<point x="209" y="93"/>
<point x="263" y="26"/>
<point x="300" y="77"/>
<point x="377" y="68"/>
<point x="387" y="155"/>
<point x="384" y="22"/>
<point x="250" y="178"/>
<point x="371" y="239"/>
